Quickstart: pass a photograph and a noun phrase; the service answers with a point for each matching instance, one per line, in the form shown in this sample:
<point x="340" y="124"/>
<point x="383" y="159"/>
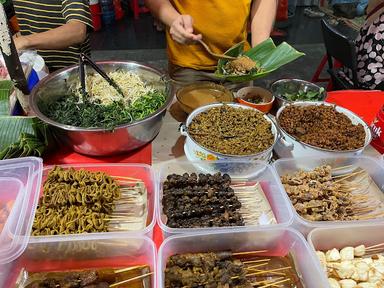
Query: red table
<point x="67" y="156"/>
<point x="366" y="104"/>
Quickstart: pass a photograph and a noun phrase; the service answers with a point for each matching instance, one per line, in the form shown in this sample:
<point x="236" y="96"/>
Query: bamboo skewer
<point x="256" y="266"/>
<point x="256" y="261"/>
<point x="342" y="167"/>
<point x="348" y="176"/>
<point x="130" y="280"/>
<point x="130" y="269"/>
<point x="249" y="253"/>
<point x="275" y="283"/>
<point x="266" y="281"/>
<point x="374" y="246"/>
<point x="267" y="271"/>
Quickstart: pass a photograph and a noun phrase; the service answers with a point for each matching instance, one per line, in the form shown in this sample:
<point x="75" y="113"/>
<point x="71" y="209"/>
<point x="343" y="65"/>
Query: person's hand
<point x="181" y="30"/>
<point x="21" y="43"/>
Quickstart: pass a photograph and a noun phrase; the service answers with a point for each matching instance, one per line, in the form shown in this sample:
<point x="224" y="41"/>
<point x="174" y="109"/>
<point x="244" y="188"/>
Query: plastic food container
<point x="349" y="235"/>
<point x="288" y="147"/>
<point x="139" y="171"/>
<point x="279" y="242"/>
<point x="290" y="166"/>
<point x="103" y="251"/>
<point x="261" y="172"/>
<point x="195" y="152"/>
<point x="19" y="183"/>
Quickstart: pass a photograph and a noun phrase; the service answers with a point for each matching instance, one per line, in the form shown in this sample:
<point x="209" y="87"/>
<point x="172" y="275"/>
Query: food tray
<point x="348" y="164"/>
<point x="348" y="235"/>
<point x="139" y="171"/>
<point x="279" y="242"/>
<point x="261" y="172"/>
<point x="96" y="251"/>
<point x="19" y="183"/>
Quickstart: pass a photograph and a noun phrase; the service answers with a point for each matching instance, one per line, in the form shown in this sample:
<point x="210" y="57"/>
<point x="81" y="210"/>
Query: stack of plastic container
<point x="21" y="179"/>
<point x="108" y="11"/>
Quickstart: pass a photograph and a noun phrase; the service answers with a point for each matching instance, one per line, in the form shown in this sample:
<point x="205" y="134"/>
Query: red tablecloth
<point x="66" y="156"/>
<point x="364" y="103"/>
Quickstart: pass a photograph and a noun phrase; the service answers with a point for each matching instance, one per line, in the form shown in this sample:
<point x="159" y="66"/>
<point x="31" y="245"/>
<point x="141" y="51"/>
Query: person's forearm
<point x="69" y="34"/>
<point x="263" y="15"/>
<point x="163" y="10"/>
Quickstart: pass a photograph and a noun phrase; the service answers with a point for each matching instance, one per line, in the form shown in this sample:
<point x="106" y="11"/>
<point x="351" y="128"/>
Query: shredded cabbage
<point x="99" y="89"/>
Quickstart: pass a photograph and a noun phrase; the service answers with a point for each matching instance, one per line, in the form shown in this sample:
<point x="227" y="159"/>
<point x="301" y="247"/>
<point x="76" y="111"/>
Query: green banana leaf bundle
<point x="6" y="88"/>
<point x="267" y="56"/>
<point x="22" y="136"/>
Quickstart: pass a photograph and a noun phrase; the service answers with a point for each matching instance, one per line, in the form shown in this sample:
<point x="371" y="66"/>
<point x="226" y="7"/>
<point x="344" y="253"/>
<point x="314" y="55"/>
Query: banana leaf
<point x="5" y="92"/>
<point x="11" y="128"/>
<point x="267" y="56"/>
<point x="22" y="136"/>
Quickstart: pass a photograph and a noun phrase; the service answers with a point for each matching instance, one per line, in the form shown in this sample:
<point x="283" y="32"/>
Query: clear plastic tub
<point x="19" y="183"/>
<point x="256" y="171"/>
<point x="348" y="164"/>
<point x="278" y="242"/>
<point x="102" y="251"/>
<point x="349" y="235"/>
<point x="138" y="171"/>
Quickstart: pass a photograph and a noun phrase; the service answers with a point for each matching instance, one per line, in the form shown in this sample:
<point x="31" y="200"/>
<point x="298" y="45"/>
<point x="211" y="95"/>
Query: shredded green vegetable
<point x="86" y="114"/>
<point x="302" y="95"/>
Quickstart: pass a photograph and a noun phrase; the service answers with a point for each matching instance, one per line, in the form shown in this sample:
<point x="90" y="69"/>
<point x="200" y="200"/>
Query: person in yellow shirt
<point x="220" y="23"/>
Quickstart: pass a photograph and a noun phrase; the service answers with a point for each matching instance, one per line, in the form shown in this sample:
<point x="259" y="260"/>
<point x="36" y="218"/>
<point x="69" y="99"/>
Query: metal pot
<point x="194" y="151"/>
<point x="99" y="141"/>
<point x="287" y="146"/>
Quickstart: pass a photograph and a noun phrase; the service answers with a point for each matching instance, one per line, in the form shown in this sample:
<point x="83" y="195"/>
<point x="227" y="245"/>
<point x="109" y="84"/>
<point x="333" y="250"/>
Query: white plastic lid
<point x="20" y="181"/>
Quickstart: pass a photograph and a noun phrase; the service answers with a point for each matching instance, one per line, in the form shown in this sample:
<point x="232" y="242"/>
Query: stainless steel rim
<point x="270" y="148"/>
<point x="44" y="118"/>
<point x="318" y="148"/>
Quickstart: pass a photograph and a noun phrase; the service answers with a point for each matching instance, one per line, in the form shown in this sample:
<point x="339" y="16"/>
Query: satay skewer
<point x="130" y="280"/>
<point x="249" y="252"/>
<point x="266" y="271"/>
<point x="374" y="246"/>
<point x="342" y="167"/>
<point x="266" y="281"/>
<point x="256" y="261"/>
<point x="256" y="266"/>
<point x="130" y="269"/>
<point x="349" y="176"/>
<point x="275" y="283"/>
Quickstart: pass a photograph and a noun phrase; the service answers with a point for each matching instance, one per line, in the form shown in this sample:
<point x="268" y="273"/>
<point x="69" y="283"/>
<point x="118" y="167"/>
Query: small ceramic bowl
<point x="256" y="97"/>
<point x="195" y="95"/>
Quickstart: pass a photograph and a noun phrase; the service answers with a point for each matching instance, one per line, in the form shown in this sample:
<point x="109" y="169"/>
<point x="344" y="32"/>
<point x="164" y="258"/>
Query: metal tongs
<point x="83" y="60"/>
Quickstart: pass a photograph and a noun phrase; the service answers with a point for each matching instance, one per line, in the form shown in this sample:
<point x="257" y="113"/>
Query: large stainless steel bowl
<point x="98" y="141"/>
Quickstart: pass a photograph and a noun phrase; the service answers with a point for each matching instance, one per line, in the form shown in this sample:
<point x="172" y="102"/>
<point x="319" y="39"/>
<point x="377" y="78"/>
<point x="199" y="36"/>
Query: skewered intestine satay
<point x="354" y="267"/>
<point x="317" y="196"/>
<point x="96" y="278"/>
<point x="230" y="270"/>
<point x="82" y="201"/>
